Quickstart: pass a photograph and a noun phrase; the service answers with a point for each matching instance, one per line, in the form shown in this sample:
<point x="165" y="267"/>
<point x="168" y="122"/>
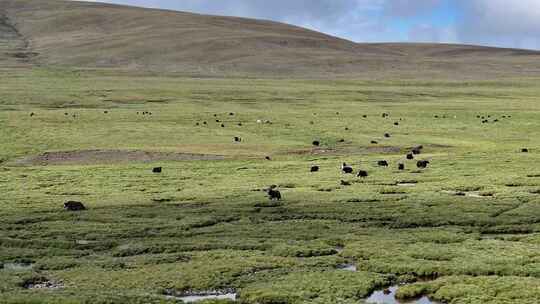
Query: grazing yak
<point x="74" y="206"/>
<point x="346" y="169"/>
<point x="422" y="164"/>
<point x="268" y="158"/>
<point x="273" y="194"/>
<point x="237" y="139"/>
<point x="345" y="183"/>
<point x="374" y="142"/>
<point x="524" y="150"/>
<point x="387" y="135"/>
<point x="314" y="169"/>
<point x="382" y="163"/>
<point x="362" y="173"/>
<point x="316" y="143"/>
<point x="401" y="167"/>
<point x="417" y="150"/>
<point x="410" y="156"/>
<point x="157" y="170"/>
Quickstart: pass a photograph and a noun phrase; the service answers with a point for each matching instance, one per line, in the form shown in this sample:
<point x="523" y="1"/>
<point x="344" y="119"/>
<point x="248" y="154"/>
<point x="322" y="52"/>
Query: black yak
<point x="345" y="183"/>
<point x="417" y="150"/>
<point x="401" y="166"/>
<point x="346" y="169"/>
<point x="382" y="163"/>
<point x="362" y="173"/>
<point x="74" y="206"/>
<point x="273" y="194"/>
<point x="410" y="156"/>
<point x="157" y="170"/>
<point x="315" y="168"/>
<point x="316" y="143"/>
<point x="422" y="164"/>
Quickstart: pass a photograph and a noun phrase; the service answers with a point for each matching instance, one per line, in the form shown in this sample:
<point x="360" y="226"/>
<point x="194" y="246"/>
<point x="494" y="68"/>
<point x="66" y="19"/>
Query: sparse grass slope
<point x="82" y="34"/>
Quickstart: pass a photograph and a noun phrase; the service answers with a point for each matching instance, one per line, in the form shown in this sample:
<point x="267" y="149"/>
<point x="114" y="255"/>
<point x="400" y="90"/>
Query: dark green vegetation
<point x="205" y="225"/>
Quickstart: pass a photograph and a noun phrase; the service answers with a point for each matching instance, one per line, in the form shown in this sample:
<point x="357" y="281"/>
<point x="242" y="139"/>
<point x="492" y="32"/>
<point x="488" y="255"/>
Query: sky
<point x="503" y="23"/>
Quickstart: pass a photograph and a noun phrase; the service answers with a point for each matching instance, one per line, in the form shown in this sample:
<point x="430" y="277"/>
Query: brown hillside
<point x="82" y="34"/>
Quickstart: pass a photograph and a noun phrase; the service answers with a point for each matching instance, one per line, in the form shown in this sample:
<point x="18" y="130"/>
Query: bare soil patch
<point x="90" y="157"/>
<point x="350" y="150"/>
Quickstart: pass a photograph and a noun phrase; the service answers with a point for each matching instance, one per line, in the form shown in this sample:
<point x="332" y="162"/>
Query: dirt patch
<point x="348" y="150"/>
<point x="40" y="283"/>
<point x="89" y="157"/>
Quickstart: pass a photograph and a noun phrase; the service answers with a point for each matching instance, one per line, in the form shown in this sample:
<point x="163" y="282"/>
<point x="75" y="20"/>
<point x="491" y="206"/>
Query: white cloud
<point x="510" y="23"/>
<point x="500" y="22"/>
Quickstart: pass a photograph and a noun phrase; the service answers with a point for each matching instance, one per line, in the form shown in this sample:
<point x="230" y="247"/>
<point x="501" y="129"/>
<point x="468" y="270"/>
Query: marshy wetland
<point x="465" y="229"/>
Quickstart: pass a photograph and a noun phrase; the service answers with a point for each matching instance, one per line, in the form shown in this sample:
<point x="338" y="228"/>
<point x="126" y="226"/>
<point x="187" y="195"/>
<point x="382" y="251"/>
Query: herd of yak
<point x="272" y="191"/>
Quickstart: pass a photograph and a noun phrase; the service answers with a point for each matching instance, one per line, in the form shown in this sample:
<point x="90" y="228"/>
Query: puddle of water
<point x="83" y="242"/>
<point x="18" y="266"/>
<point x="406" y="184"/>
<point x="347" y="267"/>
<point x="196" y="298"/>
<point x="467" y="194"/>
<point x="388" y="296"/>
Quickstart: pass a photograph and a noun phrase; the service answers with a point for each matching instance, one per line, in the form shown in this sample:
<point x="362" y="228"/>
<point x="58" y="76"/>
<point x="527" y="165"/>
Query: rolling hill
<point x="95" y="35"/>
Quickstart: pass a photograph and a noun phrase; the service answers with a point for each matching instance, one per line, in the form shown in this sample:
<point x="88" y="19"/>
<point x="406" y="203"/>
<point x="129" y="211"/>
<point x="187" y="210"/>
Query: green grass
<point x="206" y="225"/>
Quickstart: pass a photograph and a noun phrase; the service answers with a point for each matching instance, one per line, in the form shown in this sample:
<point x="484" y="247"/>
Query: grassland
<point x="206" y="224"/>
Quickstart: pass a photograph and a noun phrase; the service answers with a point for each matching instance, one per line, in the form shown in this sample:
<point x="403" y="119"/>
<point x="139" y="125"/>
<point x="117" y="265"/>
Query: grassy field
<point x="466" y="229"/>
